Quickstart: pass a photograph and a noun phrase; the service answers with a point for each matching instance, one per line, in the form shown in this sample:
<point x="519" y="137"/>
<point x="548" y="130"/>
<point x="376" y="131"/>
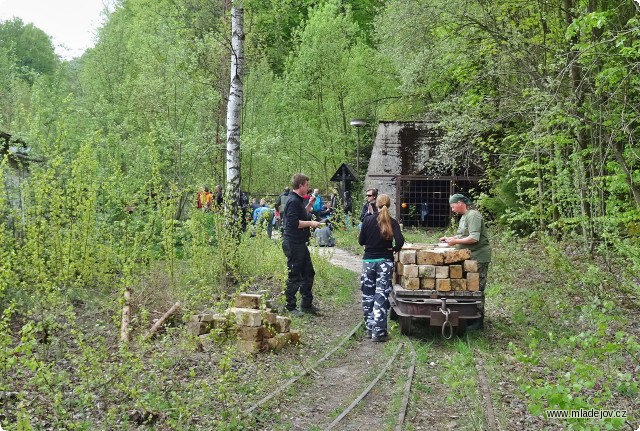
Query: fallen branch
<point x="161" y="320"/>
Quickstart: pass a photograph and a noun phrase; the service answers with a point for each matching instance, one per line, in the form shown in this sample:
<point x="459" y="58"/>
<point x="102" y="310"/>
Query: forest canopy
<point x="543" y="95"/>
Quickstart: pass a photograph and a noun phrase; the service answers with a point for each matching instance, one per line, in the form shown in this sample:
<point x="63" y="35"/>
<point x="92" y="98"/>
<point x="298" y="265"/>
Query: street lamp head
<point x="358" y="122"/>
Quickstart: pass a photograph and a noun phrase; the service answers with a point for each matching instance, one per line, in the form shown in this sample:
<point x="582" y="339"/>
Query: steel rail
<point x="304" y="373"/>
<point x="366" y="391"/>
<point x="485" y="391"/>
<point x="407" y="390"/>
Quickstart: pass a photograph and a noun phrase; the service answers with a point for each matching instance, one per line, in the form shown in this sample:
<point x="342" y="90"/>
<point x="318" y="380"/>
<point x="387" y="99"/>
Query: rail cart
<point x="451" y="311"/>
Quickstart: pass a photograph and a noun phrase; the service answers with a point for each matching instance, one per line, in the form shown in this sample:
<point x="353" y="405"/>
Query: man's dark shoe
<point x="295" y="312"/>
<point x="367" y="333"/>
<point x="380" y="339"/>
<point x="311" y="310"/>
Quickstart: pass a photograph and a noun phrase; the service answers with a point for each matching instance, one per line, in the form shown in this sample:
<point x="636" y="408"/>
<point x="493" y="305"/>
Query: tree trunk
<point x="232" y="213"/>
<point x="234" y="111"/>
<point x="582" y="170"/>
<point x="541" y="202"/>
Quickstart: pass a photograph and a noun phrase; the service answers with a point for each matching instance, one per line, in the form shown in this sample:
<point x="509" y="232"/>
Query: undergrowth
<point x="576" y="347"/>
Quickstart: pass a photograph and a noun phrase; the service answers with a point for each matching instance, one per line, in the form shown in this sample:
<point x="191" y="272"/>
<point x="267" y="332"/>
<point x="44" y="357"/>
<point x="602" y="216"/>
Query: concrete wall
<point x="400" y="148"/>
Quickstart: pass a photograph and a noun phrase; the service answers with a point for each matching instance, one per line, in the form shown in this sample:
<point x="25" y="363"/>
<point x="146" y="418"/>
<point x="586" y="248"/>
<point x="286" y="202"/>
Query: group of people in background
<point x="207" y="201"/>
<point x="296" y="212"/>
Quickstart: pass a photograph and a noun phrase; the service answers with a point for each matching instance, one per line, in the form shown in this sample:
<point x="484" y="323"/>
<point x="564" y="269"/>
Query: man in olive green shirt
<point x="472" y="234"/>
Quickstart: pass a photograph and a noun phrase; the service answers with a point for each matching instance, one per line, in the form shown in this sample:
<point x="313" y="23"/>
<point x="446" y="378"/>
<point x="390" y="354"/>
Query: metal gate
<point x="424" y="202"/>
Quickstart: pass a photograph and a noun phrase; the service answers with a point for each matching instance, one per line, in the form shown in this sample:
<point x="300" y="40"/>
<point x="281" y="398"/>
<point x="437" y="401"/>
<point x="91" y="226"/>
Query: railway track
<point x="351" y="410"/>
<point x="319" y="399"/>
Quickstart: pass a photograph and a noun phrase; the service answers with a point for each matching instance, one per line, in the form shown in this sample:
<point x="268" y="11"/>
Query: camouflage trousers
<point x="376" y="287"/>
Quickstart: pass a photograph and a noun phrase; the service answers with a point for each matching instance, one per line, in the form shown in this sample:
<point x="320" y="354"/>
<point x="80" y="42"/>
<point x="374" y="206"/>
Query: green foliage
<point x="571" y="339"/>
<point x="300" y="118"/>
<point x="580" y="363"/>
<point x="28" y="47"/>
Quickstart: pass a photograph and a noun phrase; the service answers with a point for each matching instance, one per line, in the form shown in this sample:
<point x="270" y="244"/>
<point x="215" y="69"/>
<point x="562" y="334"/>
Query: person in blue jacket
<point x="264" y="215"/>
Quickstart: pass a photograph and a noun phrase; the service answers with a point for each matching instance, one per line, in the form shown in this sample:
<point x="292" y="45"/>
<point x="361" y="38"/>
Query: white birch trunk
<point x="234" y="110"/>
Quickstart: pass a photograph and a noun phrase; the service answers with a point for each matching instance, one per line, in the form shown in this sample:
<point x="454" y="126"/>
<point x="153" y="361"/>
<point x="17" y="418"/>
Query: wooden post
<point x="126" y="316"/>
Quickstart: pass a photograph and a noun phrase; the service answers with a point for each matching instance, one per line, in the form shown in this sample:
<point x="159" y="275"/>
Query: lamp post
<point x="358" y="123"/>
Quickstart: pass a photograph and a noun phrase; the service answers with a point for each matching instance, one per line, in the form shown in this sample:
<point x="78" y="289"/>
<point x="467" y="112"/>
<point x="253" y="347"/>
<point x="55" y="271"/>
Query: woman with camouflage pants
<point x="380" y="235"/>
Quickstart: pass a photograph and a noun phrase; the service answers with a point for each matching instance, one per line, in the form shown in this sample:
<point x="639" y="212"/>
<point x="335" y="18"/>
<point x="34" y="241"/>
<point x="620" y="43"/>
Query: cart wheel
<point x="393" y="315"/>
<point x="405" y="324"/>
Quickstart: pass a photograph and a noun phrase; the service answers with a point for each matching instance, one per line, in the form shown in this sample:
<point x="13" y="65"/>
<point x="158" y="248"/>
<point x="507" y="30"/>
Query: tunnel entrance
<point x="424" y="202"/>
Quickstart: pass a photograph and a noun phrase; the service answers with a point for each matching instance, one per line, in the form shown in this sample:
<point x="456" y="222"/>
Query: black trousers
<point x="301" y="273"/>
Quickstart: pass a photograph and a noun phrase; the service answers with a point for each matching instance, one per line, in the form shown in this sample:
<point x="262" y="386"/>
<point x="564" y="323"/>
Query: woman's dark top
<point x="375" y="247"/>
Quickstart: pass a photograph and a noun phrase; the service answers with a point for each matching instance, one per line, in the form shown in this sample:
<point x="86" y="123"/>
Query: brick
<point x="277" y="342"/>
<point x="458" y="284"/>
<point x="428" y="257"/>
<point x="428" y="283"/>
<point x="269" y="318"/>
<point x="269" y="331"/>
<point x="247" y="317"/>
<point x="427" y="271"/>
<point x="251" y="333"/>
<point x="411" y="283"/>
<point x="442" y="272"/>
<point x="248" y="300"/>
<point x="455" y="271"/>
<point x="410" y="271"/>
<point x="283" y="324"/>
<point x="473" y="281"/>
<point x="220" y="322"/>
<point x="455" y="256"/>
<point x="470" y="266"/>
<point x="198" y="328"/>
<point x="294" y="337"/>
<point x="443" y="285"/>
<point x="400" y="268"/>
<point x="407" y="257"/>
<point x="250" y="347"/>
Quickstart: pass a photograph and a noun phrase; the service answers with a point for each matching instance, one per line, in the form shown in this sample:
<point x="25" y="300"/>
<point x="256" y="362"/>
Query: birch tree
<point x="234" y="109"/>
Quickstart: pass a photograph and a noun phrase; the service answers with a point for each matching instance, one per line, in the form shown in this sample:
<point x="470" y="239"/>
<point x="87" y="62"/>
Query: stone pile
<point x="257" y="328"/>
<point x="440" y="269"/>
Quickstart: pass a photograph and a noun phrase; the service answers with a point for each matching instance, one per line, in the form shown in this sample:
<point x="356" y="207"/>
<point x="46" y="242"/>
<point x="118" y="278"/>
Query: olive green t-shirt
<point x="472" y="224"/>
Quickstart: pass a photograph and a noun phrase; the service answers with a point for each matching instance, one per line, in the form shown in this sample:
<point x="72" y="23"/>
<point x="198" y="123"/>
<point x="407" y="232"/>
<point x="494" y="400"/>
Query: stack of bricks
<point x="257" y="329"/>
<point x="429" y="267"/>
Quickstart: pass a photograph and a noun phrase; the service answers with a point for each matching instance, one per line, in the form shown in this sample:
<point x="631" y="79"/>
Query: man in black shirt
<point x="296" y="236"/>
